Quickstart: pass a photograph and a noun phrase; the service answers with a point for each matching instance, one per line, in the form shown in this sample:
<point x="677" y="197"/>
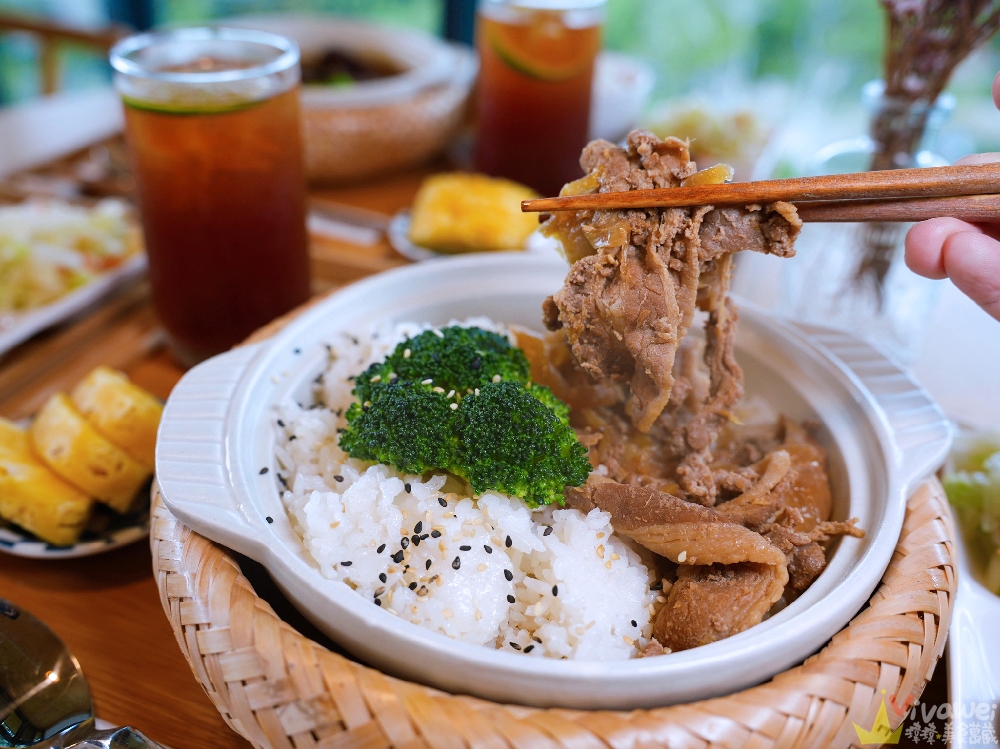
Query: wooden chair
<point x="52" y="35"/>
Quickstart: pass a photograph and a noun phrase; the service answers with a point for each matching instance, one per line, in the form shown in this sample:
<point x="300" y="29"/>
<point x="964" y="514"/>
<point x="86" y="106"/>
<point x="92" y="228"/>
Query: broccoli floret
<point x="459" y="359"/>
<point x="512" y="442"/>
<point x="479" y="418"/>
<point x="407" y="426"/>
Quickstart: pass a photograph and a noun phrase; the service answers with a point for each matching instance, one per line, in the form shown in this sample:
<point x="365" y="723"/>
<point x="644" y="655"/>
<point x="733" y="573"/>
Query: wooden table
<point x="106" y="607"/>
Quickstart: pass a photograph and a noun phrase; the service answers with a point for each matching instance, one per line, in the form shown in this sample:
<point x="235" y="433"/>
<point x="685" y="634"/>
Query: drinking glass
<point x="536" y="62"/>
<point x="212" y="123"/>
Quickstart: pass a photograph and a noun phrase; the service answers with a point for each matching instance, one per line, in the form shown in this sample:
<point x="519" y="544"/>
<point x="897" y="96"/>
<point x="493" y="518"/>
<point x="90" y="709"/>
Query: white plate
<point x="123" y="530"/>
<point x="398" y="233"/>
<point x="15" y="329"/>
<point x="883" y="432"/>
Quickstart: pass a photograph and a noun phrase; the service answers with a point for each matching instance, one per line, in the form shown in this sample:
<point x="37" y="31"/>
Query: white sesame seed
<point x="614" y="557"/>
<point x="447" y="613"/>
<point x="454" y="406"/>
<point x="589" y="625"/>
<point x="628" y="640"/>
<point x="479" y="615"/>
<point x="477" y="391"/>
<point x="438" y="333"/>
<point x="496" y="378"/>
<point x="428" y="381"/>
<point x="608" y="565"/>
<point x="376" y="378"/>
<point x="481" y="568"/>
<point x="438" y="389"/>
<point x="406" y="354"/>
<point x="450" y="393"/>
<point x="600" y="551"/>
<point x="682" y="556"/>
<point x="601" y="534"/>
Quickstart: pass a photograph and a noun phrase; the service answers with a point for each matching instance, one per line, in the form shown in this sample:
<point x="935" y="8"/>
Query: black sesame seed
<point x="292" y="438"/>
<point x="634" y="624"/>
<point x="511" y="599"/>
<point x="529" y="648"/>
<point x="348" y="563"/>
<point x="476" y="363"/>
<point x="555" y="590"/>
<point x="269" y="519"/>
<point x="379" y="550"/>
<point x="428" y="565"/>
<point x="420" y="524"/>
<point x="547" y="531"/>
<point x="442" y="501"/>
<point x="456" y="563"/>
<point x="394" y="380"/>
<point x="435" y="534"/>
<point x="407" y="487"/>
<point x="508" y="543"/>
<point x="364" y="409"/>
<point x="406" y="567"/>
<point x="514" y="645"/>
<point x="423" y="536"/>
<point x="412" y="586"/>
<point x="404" y="542"/>
<point x="283" y="481"/>
<point x="382" y="577"/>
<point x="263" y="470"/>
<point x="296" y="351"/>
<point x="415" y="539"/>
<point x="397" y="557"/>
<point x="537" y="639"/>
<point x="489" y="549"/>
<point x="354" y="340"/>
<point x="465" y="548"/>
<point x="508" y="574"/>
<point x="657" y="585"/>
<point x="338" y="478"/>
<point x="281" y="423"/>
<point x="378" y="602"/>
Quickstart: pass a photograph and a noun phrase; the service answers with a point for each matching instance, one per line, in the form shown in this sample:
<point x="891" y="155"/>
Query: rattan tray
<point x="279" y="689"/>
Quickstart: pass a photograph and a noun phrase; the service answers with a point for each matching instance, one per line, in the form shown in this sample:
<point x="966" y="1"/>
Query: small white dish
<point x="122" y="531"/>
<point x="883" y="432"/>
<point x="398" y="233"/>
<point x="17" y="328"/>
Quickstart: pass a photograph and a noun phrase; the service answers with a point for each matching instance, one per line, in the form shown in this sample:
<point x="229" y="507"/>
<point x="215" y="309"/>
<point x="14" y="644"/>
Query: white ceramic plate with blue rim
<point x="398" y="233"/>
<point x="108" y="530"/>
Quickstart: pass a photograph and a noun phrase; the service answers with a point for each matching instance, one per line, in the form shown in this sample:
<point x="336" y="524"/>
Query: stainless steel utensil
<point x="44" y="698"/>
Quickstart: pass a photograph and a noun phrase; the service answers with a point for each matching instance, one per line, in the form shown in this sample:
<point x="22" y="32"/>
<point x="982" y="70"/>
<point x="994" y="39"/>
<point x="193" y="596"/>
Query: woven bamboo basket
<point x="278" y="688"/>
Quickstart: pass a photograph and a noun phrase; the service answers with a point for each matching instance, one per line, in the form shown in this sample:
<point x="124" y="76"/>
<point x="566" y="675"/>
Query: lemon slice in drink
<point x="544" y="48"/>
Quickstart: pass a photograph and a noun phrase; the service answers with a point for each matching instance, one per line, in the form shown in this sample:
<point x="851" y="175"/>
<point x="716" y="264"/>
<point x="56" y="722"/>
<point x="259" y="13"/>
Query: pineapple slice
<point x="471" y="213"/>
<point x="78" y="453"/>
<point x="33" y="497"/>
<point x="121" y="411"/>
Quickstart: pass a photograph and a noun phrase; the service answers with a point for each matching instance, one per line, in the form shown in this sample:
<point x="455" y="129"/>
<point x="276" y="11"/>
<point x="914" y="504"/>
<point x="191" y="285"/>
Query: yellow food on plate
<point x="35" y="498"/>
<point x="471" y="213"/>
<point x="121" y="411"/>
<point x="71" y="447"/>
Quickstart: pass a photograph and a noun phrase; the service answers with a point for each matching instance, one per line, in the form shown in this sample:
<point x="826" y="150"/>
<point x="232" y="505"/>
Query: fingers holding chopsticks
<point x="968" y="254"/>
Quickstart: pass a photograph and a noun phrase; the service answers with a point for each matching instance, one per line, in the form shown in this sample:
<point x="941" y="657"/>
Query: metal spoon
<point x="44" y="698"/>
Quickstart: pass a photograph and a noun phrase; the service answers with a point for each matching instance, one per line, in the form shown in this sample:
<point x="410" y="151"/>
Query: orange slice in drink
<point x="544" y="48"/>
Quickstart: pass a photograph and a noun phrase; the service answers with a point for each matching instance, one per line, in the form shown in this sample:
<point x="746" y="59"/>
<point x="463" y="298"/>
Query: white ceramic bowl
<point x="883" y="432"/>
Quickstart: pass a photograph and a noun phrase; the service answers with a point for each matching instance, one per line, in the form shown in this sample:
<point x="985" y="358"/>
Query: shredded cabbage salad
<point x="973" y="488"/>
<point x="48" y="249"/>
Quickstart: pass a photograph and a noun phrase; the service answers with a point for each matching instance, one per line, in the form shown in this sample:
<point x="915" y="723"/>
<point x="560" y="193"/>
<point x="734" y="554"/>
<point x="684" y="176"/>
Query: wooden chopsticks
<point x="966" y="192"/>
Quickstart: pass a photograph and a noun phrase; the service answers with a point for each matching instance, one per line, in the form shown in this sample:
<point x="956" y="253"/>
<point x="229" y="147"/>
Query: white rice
<point x="577" y="590"/>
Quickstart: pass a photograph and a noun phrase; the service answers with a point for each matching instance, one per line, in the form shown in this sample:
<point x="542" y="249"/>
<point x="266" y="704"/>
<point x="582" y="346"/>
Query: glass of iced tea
<point x="212" y="123"/>
<point x="536" y="69"/>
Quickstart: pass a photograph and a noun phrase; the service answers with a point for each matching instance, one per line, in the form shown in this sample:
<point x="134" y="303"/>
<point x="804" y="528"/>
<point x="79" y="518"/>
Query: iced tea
<point x="536" y="70"/>
<point x="221" y="188"/>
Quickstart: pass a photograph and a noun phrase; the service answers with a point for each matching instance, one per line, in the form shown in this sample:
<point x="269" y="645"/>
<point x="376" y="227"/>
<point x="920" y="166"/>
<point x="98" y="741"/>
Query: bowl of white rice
<point x="483" y="595"/>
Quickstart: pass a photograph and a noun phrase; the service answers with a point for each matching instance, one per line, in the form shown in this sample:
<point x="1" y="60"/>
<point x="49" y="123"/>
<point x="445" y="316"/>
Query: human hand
<point x="968" y="254"/>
